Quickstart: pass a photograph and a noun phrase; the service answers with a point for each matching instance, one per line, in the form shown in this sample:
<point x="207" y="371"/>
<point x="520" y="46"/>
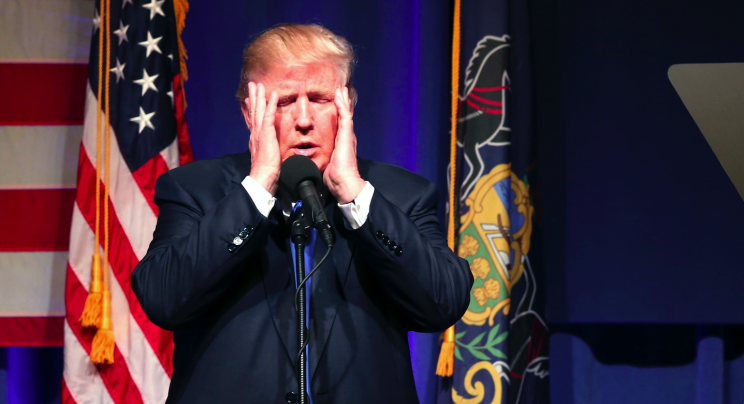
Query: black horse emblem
<point x="483" y="105"/>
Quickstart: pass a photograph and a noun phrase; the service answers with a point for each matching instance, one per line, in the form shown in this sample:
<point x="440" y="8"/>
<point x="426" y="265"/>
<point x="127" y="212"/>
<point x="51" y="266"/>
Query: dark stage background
<point x="642" y="229"/>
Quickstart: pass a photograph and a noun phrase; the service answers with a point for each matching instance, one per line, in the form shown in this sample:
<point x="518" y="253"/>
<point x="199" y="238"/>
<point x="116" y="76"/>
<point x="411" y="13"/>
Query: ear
<point x="245" y="109"/>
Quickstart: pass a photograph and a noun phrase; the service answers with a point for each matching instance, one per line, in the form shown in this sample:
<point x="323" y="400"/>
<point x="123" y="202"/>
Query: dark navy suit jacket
<point x="235" y="327"/>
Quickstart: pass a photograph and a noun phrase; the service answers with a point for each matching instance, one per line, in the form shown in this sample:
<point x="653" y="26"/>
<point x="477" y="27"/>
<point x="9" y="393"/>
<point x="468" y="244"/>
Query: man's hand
<point x="342" y="175"/>
<point x="263" y="144"/>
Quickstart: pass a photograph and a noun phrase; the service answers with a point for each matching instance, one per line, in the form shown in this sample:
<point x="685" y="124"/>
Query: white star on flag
<point x="122" y="32"/>
<point x="96" y="22"/>
<point x="151" y="44"/>
<point x="147" y="82"/>
<point x="143" y="120"/>
<point x="119" y="70"/>
<point x="155" y="7"/>
<point x="124" y="3"/>
<point x="170" y="94"/>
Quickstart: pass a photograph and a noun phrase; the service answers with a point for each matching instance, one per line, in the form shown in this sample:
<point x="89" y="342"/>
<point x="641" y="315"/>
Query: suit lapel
<point x="329" y="281"/>
<point x="276" y="268"/>
<point x="279" y="286"/>
<point x="327" y="286"/>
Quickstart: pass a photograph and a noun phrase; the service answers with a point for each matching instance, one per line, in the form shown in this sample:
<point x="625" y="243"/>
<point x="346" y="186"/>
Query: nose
<point x="304" y="121"/>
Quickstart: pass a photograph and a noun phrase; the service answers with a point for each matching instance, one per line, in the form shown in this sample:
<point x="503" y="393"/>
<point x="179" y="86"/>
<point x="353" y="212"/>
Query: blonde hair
<point x="296" y="44"/>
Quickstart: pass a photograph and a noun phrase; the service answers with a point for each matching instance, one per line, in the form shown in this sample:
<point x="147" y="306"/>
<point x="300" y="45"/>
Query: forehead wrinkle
<point x="320" y="89"/>
<point x="292" y="87"/>
<point x="317" y="79"/>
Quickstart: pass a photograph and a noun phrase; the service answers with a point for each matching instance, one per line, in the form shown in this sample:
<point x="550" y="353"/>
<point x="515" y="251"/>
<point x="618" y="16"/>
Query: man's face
<point x="306" y="116"/>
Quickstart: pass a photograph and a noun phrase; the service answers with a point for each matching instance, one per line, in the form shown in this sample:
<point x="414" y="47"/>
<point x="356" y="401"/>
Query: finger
<point x="260" y="105"/>
<point x="341" y="105"/>
<point x="252" y="97"/>
<point x="249" y="120"/>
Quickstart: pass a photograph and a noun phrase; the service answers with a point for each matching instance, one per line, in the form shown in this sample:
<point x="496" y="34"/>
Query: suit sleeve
<point x="190" y="261"/>
<point x="426" y="282"/>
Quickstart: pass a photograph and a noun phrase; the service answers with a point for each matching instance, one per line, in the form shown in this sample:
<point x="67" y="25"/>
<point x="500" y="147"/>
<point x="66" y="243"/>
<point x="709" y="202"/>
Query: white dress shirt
<point x="355" y="212"/>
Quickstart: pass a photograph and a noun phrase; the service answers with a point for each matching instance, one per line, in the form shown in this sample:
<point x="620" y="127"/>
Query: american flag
<point x="43" y="68"/>
<point x="148" y="136"/>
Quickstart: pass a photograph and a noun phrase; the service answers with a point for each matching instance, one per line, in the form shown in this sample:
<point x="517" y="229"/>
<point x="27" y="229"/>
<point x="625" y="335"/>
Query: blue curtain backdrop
<point x="30" y="375"/>
<point x="642" y="229"/>
<point x="639" y="223"/>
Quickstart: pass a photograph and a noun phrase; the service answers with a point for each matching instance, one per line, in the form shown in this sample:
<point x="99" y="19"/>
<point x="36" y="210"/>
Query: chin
<point x="321" y="163"/>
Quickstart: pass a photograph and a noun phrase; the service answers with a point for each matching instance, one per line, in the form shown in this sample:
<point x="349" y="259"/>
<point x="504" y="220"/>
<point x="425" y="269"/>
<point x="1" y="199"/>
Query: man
<point x="219" y="270"/>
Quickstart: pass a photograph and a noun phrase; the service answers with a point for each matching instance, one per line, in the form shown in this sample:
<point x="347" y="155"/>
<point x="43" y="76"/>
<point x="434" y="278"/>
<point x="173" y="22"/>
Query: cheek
<point x="327" y="128"/>
<point x="334" y="128"/>
<point x="283" y="127"/>
<point x="330" y="127"/>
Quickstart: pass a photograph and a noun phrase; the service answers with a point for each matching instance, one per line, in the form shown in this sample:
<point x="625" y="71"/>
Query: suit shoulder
<point x="201" y="169"/>
<point x="211" y="177"/>
<point x="383" y="175"/>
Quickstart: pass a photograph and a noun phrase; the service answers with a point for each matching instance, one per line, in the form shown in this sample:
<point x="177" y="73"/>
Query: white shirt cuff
<point x="261" y="198"/>
<point x="356" y="211"/>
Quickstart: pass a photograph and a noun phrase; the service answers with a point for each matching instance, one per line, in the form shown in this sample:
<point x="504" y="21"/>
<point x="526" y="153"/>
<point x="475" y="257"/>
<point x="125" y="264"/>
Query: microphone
<point x="300" y="176"/>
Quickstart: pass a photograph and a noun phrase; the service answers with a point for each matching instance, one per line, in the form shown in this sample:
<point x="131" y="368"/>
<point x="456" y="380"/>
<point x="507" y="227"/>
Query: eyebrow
<point x="311" y="93"/>
<point x="321" y="92"/>
<point x="291" y="96"/>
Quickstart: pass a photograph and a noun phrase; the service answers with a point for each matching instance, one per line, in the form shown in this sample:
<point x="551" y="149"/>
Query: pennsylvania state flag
<point x="501" y="343"/>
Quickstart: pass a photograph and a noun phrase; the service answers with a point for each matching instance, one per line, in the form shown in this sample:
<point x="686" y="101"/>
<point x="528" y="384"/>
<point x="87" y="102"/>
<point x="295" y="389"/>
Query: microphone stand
<point x="299" y="235"/>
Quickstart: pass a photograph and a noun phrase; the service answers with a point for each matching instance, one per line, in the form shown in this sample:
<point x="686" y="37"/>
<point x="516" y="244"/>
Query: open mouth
<point x="305" y="149"/>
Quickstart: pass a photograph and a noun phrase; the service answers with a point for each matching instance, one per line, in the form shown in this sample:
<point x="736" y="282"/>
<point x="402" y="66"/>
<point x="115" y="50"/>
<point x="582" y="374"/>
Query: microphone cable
<point x="297" y="310"/>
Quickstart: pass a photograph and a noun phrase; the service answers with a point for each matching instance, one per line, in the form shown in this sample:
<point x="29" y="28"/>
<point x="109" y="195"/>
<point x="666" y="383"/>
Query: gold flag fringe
<point x="102" y="351"/>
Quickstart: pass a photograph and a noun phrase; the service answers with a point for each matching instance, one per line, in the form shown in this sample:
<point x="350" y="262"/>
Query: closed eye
<point x="321" y="100"/>
<point x="283" y="102"/>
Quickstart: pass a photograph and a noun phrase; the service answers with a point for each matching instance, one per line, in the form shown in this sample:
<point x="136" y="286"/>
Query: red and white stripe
<point x="43" y="72"/>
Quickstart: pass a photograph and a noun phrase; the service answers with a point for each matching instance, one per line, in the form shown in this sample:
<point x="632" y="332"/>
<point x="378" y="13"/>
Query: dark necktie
<point x="309" y="250"/>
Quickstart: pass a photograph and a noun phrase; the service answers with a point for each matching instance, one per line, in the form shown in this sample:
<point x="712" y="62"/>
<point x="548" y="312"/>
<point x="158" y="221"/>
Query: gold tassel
<point x="103" y="343"/>
<point x="91" y="316"/>
<point x="446" y="362"/>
